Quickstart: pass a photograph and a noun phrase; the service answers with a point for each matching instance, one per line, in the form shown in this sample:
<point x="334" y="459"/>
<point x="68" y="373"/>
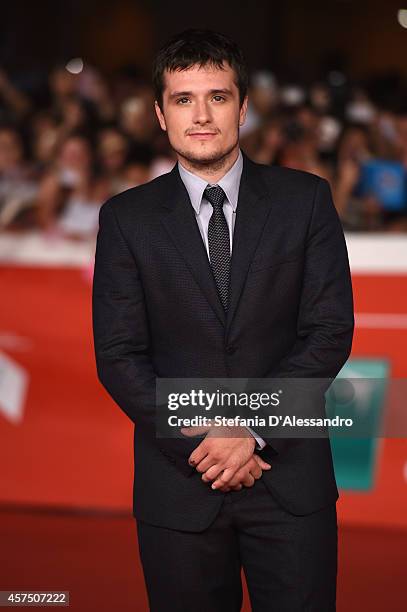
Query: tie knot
<point x="215" y="195"/>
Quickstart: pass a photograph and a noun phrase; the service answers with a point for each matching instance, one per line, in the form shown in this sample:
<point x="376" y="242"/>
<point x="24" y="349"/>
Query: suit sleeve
<point x="122" y="338"/>
<point x="120" y="326"/>
<point x="325" y="318"/>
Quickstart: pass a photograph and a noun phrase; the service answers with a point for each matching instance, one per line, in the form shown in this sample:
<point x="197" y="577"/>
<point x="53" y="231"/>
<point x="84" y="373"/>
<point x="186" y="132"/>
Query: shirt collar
<point x="230" y="183"/>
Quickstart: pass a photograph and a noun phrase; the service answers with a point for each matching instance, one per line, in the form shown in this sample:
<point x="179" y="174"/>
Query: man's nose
<point x="202" y="113"/>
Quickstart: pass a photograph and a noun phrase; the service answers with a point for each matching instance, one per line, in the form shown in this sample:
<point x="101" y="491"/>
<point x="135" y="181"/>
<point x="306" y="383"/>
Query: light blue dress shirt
<point x="230" y="184"/>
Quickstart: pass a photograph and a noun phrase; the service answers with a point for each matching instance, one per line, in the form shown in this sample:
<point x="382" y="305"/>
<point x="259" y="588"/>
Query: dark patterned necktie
<point x="219" y="242"/>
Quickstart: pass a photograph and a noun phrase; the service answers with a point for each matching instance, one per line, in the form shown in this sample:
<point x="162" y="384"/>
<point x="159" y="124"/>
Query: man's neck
<point x="212" y="173"/>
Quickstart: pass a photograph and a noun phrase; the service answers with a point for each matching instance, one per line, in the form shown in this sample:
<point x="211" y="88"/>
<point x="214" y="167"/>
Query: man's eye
<point x="182" y="100"/>
<point x="218" y="98"/>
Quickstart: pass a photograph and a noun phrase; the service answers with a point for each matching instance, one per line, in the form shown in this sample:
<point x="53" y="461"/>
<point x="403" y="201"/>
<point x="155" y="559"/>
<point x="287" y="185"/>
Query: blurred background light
<point x="402" y="17"/>
<point x="75" y="65"/>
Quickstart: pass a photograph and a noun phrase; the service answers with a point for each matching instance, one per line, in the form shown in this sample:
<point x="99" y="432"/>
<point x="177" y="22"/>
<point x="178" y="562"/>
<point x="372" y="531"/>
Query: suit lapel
<point x="252" y="211"/>
<point x="179" y="220"/>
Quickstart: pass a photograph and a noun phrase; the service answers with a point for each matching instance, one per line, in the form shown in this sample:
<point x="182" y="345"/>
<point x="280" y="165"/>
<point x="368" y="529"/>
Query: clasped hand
<point x="226" y="457"/>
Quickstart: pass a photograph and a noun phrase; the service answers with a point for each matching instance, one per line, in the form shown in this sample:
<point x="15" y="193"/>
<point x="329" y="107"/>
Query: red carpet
<point x="95" y="557"/>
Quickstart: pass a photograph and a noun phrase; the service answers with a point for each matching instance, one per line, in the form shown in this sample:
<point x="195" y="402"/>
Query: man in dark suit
<point x="223" y="268"/>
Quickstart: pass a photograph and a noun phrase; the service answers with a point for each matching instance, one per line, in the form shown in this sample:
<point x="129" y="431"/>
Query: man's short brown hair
<point x="196" y="47"/>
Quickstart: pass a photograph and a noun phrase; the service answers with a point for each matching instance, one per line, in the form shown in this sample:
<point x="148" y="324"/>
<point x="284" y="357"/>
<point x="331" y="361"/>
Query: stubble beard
<point x="212" y="162"/>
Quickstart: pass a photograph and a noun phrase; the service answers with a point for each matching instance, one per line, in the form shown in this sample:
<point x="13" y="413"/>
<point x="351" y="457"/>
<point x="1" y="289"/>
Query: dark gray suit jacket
<point x="156" y="312"/>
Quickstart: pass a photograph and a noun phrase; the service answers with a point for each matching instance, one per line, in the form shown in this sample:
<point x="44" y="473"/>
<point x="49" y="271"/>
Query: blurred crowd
<point x="87" y="137"/>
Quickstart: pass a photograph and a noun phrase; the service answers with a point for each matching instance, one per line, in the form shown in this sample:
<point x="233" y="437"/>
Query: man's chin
<point x="204" y="158"/>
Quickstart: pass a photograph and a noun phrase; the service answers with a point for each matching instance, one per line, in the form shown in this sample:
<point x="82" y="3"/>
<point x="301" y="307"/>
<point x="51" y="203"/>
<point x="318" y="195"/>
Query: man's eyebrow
<point x="224" y="91"/>
<point x="176" y="94"/>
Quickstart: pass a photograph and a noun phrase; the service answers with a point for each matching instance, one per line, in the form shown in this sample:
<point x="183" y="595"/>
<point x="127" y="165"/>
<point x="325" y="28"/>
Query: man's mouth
<point x="202" y="135"/>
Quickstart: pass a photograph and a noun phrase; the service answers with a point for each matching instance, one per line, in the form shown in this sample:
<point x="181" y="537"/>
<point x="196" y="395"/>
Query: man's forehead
<point x="208" y="75"/>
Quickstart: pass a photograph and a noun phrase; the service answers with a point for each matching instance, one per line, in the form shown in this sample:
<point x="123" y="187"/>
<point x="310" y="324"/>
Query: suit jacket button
<point x="230" y="350"/>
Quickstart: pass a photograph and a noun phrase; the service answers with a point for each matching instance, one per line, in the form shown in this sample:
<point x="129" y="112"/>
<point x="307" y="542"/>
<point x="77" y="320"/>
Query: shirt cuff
<point x="260" y="443"/>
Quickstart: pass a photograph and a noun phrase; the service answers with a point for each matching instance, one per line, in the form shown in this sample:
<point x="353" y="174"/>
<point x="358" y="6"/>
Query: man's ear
<point x="243" y="111"/>
<point x="160" y="116"/>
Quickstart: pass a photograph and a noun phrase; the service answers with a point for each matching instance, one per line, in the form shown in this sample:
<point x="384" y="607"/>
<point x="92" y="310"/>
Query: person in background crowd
<point x="44" y="136"/>
<point x="300" y="151"/>
<point x="14" y="104"/>
<point x="354" y="148"/>
<point x="112" y="152"/>
<point x="18" y="187"/>
<point x="70" y="194"/>
<point x="136" y="118"/>
<point x="265" y="144"/>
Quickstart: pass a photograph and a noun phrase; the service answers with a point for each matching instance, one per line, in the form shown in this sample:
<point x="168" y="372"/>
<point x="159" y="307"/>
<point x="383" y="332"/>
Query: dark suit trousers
<point x="290" y="562"/>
